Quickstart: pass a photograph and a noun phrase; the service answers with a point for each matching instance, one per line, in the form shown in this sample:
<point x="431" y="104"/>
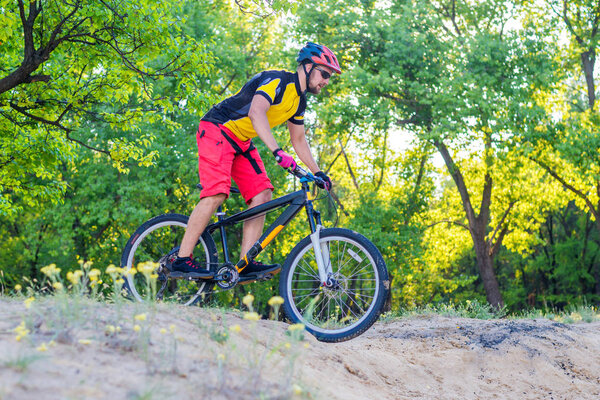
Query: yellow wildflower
<point x="147" y="267"/>
<point x="235" y="328"/>
<point x="21" y="331"/>
<point x="221" y="357"/>
<point x="287" y="345"/>
<point x="163" y="331"/>
<point x="50" y="270"/>
<point x="296" y="389"/>
<point x="28" y="302"/>
<point x="57" y="285"/>
<point x="112" y="270"/>
<point x="251" y="316"/>
<point x="42" y="347"/>
<point x="296" y="327"/>
<point x="248" y="300"/>
<point x="94" y="274"/>
<point x="75" y="276"/>
<point x="18" y="287"/>
<point x="275" y="301"/>
<point x="172" y="328"/>
<point x="137" y="328"/>
<point x="140" y="317"/>
<point x="85" y="341"/>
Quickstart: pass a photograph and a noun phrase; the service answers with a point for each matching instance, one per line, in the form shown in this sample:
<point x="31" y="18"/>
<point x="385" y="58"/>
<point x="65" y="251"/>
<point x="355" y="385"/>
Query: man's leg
<point x="253" y="228"/>
<point x="198" y="221"/>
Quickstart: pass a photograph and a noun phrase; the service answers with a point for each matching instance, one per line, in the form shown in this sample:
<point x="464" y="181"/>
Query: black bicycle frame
<point x="294" y="202"/>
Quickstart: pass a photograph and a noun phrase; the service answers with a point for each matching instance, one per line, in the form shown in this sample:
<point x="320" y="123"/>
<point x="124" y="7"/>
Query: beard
<point x="314" y="89"/>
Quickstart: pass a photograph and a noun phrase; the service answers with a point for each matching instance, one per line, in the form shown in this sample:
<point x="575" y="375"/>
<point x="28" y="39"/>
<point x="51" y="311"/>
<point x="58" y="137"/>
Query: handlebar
<point x="305" y="175"/>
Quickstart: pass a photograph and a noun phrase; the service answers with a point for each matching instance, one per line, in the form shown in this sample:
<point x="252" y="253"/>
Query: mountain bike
<point x="334" y="281"/>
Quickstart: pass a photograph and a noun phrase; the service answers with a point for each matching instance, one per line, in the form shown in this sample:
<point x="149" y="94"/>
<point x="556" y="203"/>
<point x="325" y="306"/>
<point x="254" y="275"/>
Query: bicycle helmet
<point x="318" y="54"/>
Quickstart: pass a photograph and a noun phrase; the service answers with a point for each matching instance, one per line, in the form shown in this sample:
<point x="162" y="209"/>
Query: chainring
<point x="227" y="277"/>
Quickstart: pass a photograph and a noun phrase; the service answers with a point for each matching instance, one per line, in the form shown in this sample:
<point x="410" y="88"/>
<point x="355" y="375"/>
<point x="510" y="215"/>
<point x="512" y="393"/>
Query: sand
<point x="194" y="353"/>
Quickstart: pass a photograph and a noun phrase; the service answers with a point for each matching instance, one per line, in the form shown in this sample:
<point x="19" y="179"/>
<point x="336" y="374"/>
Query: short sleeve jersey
<point x="280" y="88"/>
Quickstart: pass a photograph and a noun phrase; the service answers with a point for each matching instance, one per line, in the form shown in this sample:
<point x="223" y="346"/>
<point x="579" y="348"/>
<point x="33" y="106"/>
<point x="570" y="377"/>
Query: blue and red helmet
<point x="318" y="54"/>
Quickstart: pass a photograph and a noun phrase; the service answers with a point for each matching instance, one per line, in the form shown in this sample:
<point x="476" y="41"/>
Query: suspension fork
<point x="321" y="250"/>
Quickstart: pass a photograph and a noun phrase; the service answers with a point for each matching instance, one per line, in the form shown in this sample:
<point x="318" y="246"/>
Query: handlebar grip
<point x="299" y="171"/>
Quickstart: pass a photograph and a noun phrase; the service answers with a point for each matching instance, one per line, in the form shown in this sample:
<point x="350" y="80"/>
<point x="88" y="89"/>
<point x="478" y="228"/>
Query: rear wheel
<point x="148" y="250"/>
<point x="356" y="294"/>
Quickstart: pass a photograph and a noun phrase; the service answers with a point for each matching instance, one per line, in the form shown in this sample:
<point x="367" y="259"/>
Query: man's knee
<point x="261" y="198"/>
<point x="213" y="201"/>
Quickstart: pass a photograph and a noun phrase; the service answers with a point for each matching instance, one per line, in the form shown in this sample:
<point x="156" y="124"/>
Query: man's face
<point x="319" y="78"/>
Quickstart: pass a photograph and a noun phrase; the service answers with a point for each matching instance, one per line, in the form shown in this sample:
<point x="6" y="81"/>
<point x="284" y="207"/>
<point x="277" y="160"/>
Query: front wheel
<point x="357" y="292"/>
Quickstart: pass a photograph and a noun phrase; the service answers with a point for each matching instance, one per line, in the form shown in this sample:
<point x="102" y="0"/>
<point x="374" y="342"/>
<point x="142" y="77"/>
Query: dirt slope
<point x="191" y="353"/>
<point x="452" y="358"/>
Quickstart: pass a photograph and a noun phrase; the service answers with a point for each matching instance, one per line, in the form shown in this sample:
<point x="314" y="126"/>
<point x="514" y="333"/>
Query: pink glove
<point x="284" y="159"/>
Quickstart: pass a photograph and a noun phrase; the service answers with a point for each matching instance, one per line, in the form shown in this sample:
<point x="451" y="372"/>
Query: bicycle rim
<point x="345" y="307"/>
<point x="149" y="252"/>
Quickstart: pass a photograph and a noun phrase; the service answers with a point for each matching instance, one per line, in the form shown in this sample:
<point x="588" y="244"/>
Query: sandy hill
<point x="87" y="350"/>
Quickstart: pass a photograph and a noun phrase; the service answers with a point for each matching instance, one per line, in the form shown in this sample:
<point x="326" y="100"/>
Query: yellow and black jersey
<point x="280" y="88"/>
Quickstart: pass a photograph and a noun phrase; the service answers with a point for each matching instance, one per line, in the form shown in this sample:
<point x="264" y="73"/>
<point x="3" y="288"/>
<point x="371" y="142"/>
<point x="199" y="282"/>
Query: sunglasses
<point x="324" y="74"/>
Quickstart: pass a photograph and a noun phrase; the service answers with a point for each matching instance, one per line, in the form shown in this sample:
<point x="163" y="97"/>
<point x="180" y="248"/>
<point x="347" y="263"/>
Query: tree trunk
<point x="588" y="59"/>
<point x="477" y="227"/>
<point x="485" y="263"/>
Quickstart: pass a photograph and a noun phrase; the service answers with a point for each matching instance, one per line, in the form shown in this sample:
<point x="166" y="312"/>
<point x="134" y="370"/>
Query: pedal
<point x="191" y="276"/>
<point x="267" y="277"/>
<point x="244" y="280"/>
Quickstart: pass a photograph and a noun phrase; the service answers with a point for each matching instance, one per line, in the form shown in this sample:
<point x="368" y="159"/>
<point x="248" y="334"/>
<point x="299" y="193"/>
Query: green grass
<point x="483" y="311"/>
<point x="214" y="347"/>
<point x="21" y="362"/>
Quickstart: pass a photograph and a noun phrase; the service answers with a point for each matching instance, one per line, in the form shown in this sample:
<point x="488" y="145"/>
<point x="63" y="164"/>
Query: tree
<point x="66" y="63"/>
<point x="565" y="144"/>
<point x="452" y="74"/>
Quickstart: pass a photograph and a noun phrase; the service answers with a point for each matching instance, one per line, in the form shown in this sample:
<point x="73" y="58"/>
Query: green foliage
<point x="108" y="140"/>
<point x="80" y="64"/>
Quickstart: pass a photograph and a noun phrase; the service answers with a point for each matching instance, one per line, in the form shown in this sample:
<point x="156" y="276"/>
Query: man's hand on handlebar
<point x="284" y="159"/>
<point x="324" y="182"/>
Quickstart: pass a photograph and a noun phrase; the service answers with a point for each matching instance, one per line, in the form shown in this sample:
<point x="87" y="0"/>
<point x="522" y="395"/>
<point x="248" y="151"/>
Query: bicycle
<point x="334" y="281"/>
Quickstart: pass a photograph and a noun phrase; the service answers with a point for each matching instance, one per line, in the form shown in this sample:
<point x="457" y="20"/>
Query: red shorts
<point x="222" y="156"/>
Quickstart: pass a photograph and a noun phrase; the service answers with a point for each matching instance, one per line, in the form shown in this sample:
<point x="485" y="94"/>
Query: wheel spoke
<point x="354" y="300"/>
<point x="153" y="242"/>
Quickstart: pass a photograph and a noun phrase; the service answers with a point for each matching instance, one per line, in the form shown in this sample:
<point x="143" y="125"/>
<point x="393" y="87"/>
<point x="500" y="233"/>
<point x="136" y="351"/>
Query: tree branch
<point x="458" y="180"/>
<point x="580" y="194"/>
<point x="447" y="221"/>
<point x="500" y="224"/>
<point x="349" y="167"/>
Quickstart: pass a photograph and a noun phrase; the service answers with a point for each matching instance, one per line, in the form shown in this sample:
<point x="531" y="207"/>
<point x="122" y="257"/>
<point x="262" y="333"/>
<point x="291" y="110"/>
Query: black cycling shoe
<point x="256" y="270"/>
<point x="188" y="267"/>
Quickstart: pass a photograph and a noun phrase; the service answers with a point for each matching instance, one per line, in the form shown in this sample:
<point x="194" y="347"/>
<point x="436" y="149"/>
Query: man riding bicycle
<point x="226" y="151"/>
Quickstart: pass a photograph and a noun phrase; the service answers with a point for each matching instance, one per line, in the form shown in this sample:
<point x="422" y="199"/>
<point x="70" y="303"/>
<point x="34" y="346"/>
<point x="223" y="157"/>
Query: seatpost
<point x="220" y="217"/>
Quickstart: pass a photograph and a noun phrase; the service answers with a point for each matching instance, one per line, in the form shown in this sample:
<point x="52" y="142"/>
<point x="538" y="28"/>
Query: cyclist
<point x="226" y="151"/>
